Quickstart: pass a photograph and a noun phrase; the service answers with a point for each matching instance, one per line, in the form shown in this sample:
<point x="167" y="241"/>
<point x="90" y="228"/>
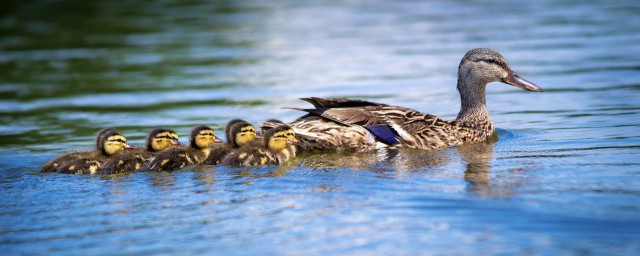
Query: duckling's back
<point x="88" y="164"/>
<point x="218" y="153"/>
<point x="64" y="159"/>
<point x="249" y="156"/>
<point x="176" y="158"/>
<point x="128" y="161"/>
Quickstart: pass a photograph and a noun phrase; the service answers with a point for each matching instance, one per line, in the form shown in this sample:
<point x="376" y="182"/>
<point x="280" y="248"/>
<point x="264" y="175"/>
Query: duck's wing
<point x="393" y="125"/>
<point x="415" y="129"/>
<point x="339" y="102"/>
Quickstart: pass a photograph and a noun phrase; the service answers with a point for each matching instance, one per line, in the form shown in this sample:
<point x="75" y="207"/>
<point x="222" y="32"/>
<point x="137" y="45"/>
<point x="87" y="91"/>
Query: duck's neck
<point x="473" y="107"/>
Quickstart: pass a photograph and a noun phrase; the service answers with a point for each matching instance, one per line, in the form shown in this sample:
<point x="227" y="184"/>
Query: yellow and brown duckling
<point x="239" y="133"/>
<point x="273" y="150"/>
<point x="109" y="143"/>
<point x="290" y="133"/>
<point x="131" y="160"/>
<point x="200" y="142"/>
<point x="53" y="164"/>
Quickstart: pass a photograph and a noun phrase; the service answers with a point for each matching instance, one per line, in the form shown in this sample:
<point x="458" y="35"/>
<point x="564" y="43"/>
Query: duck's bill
<point x="177" y="143"/>
<point x="517" y="81"/>
<point x="217" y="140"/>
<point x="127" y="146"/>
<point x="291" y="142"/>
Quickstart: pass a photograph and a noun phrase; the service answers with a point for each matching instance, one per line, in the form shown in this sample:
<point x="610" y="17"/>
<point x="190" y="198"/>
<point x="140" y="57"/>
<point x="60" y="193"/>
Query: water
<point x="563" y="176"/>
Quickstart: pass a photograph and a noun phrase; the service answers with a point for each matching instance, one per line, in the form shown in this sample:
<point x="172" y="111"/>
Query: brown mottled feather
<point x="339" y="125"/>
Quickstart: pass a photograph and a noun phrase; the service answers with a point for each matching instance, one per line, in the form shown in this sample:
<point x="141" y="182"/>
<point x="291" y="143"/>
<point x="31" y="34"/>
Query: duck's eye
<point x="119" y="140"/>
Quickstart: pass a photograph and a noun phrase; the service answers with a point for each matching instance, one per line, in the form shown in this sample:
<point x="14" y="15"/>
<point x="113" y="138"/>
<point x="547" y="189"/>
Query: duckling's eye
<point x="164" y="137"/>
<point x="119" y="140"/>
<point x="281" y="136"/>
<point x="207" y="134"/>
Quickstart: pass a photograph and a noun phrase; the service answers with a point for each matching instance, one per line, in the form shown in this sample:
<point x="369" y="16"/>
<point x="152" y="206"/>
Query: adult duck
<point x="358" y="125"/>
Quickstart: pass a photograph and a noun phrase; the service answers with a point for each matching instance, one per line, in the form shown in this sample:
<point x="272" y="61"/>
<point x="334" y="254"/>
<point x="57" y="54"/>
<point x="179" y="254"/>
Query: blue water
<point x="563" y="176"/>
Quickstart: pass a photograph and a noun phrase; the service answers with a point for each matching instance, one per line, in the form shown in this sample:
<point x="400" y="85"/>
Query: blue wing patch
<point x="384" y="134"/>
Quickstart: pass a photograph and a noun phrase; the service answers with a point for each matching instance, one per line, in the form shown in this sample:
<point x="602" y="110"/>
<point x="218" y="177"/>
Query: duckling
<point x="227" y="129"/>
<point x="272" y="151"/>
<point x="53" y="164"/>
<point x="291" y="149"/>
<point x="109" y="143"/>
<point x="133" y="159"/>
<point x="239" y="133"/>
<point x="201" y="139"/>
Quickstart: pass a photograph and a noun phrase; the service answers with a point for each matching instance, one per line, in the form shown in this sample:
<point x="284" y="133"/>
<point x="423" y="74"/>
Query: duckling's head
<point x="279" y="138"/>
<point x="227" y="129"/>
<point x="202" y="137"/>
<point x="100" y="136"/>
<point x="291" y="135"/>
<point x="161" y="139"/>
<point x="482" y="65"/>
<point x="266" y="125"/>
<point x="110" y="141"/>
<point x="241" y="134"/>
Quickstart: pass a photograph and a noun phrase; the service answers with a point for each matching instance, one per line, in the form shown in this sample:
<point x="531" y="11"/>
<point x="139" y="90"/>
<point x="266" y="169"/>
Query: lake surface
<point x="562" y="176"/>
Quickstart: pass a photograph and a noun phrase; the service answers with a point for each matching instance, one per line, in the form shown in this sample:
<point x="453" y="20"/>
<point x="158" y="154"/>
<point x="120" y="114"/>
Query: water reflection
<point x="477" y="158"/>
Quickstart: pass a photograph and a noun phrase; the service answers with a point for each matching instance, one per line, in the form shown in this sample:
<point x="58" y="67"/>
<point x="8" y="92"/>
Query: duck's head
<point x="279" y="138"/>
<point x="241" y="134"/>
<point x="161" y="139"/>
<point x="482" y="65"/>
<point x="109" y="141"/>
<point x="202" y="137"/>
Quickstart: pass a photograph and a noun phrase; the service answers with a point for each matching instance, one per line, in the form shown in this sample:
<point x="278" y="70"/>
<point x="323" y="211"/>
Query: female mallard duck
<point x="200" y="141"/>
<point x="273" y="150"/>
<point x="132" y="159"/>
<point x="239" y="133"/>
<point x="358" y="125"/>
<point x="110" y="142"/>
<point x="53" y="164"/>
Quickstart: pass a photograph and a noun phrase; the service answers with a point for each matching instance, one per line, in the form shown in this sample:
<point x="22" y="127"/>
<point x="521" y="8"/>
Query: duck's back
<point x="357" y="125"/>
